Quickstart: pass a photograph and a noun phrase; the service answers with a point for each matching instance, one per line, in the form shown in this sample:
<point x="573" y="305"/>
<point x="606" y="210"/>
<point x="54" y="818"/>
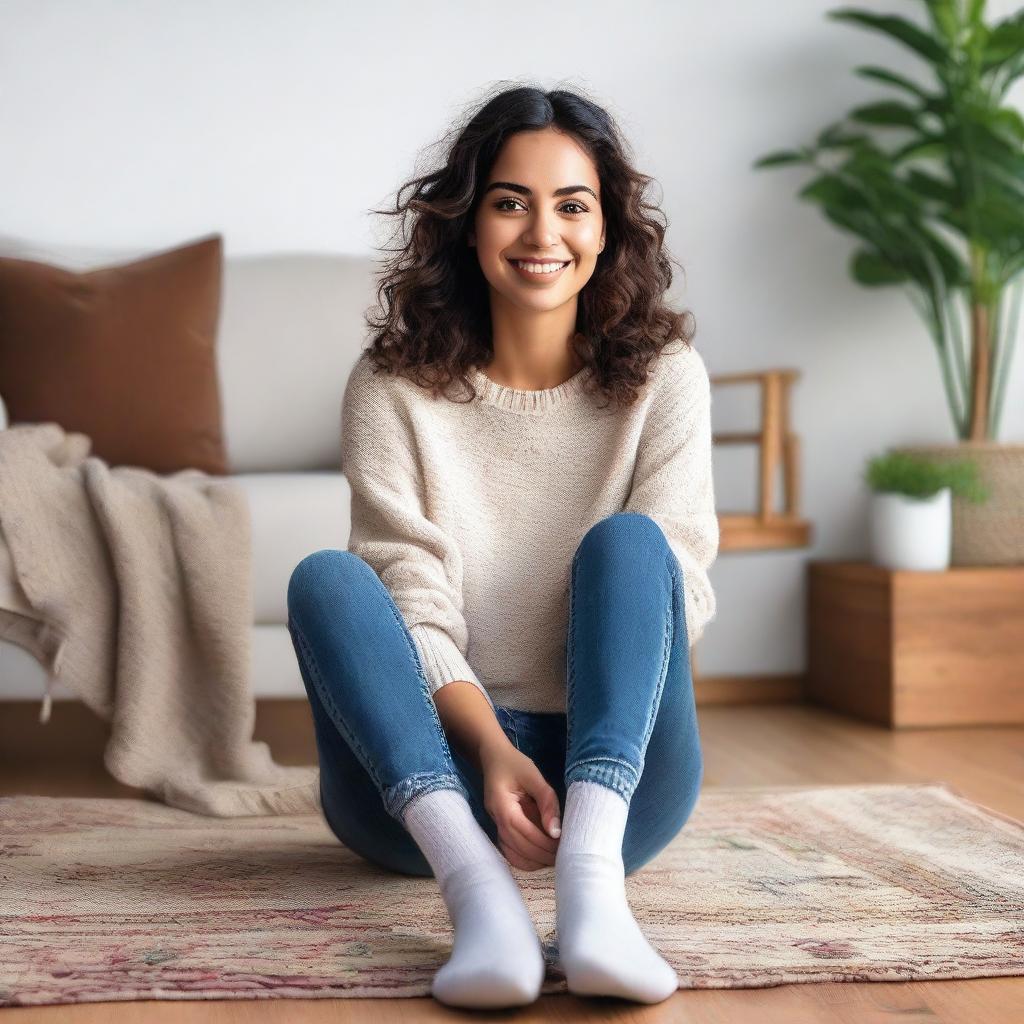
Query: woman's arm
<point x="418" y="563"/>
<point x="516" y="794"/>
<point x="469" y="721"/>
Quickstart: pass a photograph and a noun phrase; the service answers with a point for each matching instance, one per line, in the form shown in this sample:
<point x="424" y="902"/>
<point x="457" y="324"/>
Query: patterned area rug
<point x="112" y="899"/>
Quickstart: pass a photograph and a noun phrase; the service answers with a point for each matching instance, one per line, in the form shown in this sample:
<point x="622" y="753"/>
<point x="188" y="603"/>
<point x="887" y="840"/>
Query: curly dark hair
<point x="434" y="321"/>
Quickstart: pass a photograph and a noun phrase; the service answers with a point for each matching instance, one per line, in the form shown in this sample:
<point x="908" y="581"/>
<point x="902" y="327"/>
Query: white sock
<point x="496" y="958"/>
<point x="601" y="948"/>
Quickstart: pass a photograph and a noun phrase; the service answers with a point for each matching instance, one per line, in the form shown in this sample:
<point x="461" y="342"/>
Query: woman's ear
<point x="471" y="238"/>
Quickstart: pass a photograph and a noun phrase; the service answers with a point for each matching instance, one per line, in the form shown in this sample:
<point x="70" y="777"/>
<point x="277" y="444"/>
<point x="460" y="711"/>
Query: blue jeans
<point x="630" y="720"/>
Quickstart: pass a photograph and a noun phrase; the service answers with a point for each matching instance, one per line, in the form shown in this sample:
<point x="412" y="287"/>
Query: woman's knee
<point x="649" y="834"/>
<point x="621" y="528"/>
<point x="329" y="568"/>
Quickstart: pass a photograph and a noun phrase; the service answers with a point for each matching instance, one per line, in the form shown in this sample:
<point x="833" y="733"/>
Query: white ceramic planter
<point x="912" y="533"/>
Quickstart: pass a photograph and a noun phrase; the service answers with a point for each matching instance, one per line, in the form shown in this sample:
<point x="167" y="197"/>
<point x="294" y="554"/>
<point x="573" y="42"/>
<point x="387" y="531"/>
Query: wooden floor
<point x="747" y="745"/>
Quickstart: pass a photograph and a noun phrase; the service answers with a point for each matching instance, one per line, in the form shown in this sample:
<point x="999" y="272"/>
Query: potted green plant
<point x="911" y="508"/>
<point x="939" y="212"/>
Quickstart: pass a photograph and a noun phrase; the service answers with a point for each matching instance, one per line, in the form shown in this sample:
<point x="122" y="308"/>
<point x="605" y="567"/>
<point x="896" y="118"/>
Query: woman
<point x="508" y="632"/>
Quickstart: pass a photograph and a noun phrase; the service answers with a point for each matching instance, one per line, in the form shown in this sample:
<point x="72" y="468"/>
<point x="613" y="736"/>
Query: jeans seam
<point x="328" y="701"/>
<point x="667" y="641"/>
<point x="666" y="654"/>
<point x="571" y="663"/>
<point x="678" y="579"/>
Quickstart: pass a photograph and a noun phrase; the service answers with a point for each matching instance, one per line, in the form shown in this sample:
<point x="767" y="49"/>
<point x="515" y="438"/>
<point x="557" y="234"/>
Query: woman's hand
<point x="522" y="804"/>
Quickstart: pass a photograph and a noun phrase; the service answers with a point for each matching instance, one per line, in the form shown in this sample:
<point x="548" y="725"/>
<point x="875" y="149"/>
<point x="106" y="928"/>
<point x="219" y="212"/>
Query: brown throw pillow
<point x="124" y="354"/>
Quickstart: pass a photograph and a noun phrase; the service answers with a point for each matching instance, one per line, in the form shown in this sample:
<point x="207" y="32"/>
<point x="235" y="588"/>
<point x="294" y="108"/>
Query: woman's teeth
<point x="540" y="268"/>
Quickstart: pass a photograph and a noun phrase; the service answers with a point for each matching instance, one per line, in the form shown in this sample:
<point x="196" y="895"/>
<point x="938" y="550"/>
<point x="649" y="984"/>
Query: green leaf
<point x="928" y="148"/>
<point x="1005" y="41"/>
<point x="888" y="113"/>
<point x="991" y="148"/>
<point x="945" y="18"/>
<point x="780" y="157"/>
<point x="956" y="219"/>
<point x="941" y="106"/>
<point x="871" y="268"/>
<point x="890" y="78"/>
<point x="999" y="222"/>
<point x="1006" y="122"/>
<point x="897" y="28"/>
<point x="837" y="136"/>
<point x="934" y="188"/>
<point x="877" y="178"/>
<point x="829" y="189"/>
<point x="998" y="177"/>
<point x="954" y="269"/>
<point x="1000" y="77"/>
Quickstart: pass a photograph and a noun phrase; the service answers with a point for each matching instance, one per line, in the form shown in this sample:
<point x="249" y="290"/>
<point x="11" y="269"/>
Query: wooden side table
<point x="916" y="648"/>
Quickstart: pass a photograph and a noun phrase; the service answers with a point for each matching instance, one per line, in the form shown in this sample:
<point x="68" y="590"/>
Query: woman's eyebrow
<point x="567" y="190"/>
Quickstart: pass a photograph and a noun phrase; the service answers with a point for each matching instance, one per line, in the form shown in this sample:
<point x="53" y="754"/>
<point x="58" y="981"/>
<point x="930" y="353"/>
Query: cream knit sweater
<point x="470" y="513"/>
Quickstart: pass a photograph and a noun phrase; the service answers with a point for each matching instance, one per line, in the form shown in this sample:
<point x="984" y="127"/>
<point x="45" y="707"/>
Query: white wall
<point x="282" y="124"/>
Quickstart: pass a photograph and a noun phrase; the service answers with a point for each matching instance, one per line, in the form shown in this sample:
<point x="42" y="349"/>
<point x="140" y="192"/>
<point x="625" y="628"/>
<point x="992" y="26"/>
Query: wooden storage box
<point x="916" y="648"/>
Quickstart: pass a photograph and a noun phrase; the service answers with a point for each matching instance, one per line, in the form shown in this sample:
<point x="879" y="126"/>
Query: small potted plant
<point x="911" y="508"/>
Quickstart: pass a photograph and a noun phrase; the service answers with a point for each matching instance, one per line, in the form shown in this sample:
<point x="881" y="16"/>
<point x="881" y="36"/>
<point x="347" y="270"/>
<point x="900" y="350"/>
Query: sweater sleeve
<point x="418" y="563"/>
<point x="673" y="481"/>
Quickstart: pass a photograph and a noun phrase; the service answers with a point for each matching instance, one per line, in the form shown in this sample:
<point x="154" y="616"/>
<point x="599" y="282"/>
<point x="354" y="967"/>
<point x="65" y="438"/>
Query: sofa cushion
<point x="124" y="354"/>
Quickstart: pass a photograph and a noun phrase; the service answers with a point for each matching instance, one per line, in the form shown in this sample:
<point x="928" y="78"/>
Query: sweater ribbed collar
<point x="518" y="400"/>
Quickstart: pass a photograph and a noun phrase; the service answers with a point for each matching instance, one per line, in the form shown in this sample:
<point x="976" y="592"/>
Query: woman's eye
<point x="580" y="208"/>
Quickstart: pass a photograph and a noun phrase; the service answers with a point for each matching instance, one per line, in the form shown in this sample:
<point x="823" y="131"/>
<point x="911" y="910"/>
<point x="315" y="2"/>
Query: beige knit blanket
<point x="139" y="589"/>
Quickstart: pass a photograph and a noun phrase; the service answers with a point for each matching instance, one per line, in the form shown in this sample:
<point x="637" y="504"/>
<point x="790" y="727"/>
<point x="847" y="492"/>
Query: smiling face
<point x="539" y="225"/>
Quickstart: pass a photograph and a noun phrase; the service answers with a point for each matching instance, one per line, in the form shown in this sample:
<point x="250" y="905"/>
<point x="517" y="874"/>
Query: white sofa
<point x="291" y="330"/>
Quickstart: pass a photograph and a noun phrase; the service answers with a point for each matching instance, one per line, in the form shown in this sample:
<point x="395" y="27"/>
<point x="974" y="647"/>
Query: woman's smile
<point x="539" y="271"/>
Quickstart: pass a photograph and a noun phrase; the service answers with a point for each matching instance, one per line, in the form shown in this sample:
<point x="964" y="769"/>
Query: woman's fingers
<point x="522" y="822"/>
<point x="543" y="810"/>
<point x="550" y="812"/>
<point x="517" y="860"/>
<point x="537" y="832"/>
<point x="545" y="799"/>
<point x="524" y="807"/>
<point x="537" y="814"/>
<point x="520" y="833"/>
